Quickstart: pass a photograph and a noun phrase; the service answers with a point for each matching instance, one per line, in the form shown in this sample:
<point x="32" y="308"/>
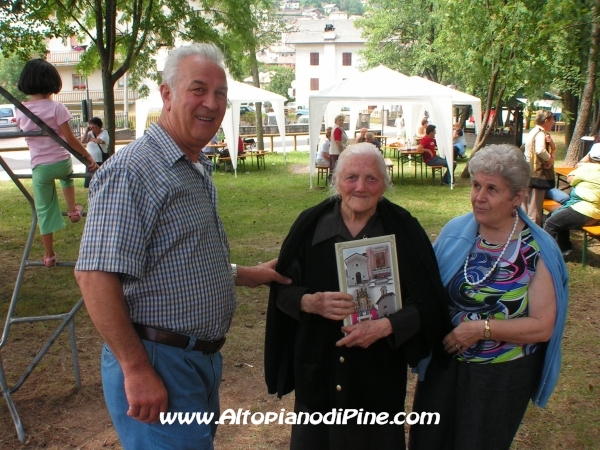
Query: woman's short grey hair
<point x="542" y="115"/>
<point x="205" y="50"/>
<point x="504" y="160"/>
<point x="338" y="117"/>
<point x="362" y="149"/>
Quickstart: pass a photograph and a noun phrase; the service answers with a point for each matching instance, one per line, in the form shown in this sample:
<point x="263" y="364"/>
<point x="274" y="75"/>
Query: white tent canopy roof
<point x="237" y="94"/>
<point x="382" y="85"/>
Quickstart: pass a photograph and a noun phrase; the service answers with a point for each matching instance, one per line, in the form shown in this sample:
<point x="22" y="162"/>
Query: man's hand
<point x="331" y="305"/>
<point x="146" y="395"/>
<point x="261" y="274"/>
<point x="364" y="333"/>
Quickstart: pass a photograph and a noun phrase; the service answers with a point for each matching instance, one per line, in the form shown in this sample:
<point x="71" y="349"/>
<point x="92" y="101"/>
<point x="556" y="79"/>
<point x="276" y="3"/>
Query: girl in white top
<point x="49" y="160"/>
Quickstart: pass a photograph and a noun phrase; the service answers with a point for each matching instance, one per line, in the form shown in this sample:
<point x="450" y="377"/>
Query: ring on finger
<point x="457" y="347"/>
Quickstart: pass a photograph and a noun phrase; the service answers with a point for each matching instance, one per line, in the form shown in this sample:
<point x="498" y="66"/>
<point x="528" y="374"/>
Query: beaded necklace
<point x="477" y="283"/>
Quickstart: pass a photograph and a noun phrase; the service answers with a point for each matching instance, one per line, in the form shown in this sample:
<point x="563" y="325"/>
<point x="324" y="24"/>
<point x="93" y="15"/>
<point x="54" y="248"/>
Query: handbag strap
<point x="532" y="148"/>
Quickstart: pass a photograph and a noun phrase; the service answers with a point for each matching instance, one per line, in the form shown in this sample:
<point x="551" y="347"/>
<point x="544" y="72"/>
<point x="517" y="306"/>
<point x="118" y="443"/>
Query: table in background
<point x="393" y="150"/>
<point x="407" y="155"/>
<point x="217" y="146"/>
<point x="562" y="173"/>
<point x="260" y="157"/>
<point x="384" y="139"/>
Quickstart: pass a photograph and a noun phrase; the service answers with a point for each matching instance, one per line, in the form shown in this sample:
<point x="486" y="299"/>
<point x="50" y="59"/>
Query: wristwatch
<point x="234" y="272"/>
<point x="486" y="331"/>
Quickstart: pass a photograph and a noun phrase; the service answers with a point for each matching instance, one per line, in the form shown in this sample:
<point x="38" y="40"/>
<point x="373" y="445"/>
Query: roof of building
<point x="313" y="32"/>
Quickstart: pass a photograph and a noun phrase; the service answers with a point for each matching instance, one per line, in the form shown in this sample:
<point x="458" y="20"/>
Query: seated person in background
<point x="240" y="146"/>
<point x="428" y="145"/>
<point x="511" y="127"/>
<point x="213" y="141"/>
<point x="422" y="130"/>
<point x="323" y="153"/>
<point x="582" y="209"/>
<point x="371" y="139"/>
<point x="458" y="141"/>
<point x="593" y="155"/>
<point x="361" y="137"/>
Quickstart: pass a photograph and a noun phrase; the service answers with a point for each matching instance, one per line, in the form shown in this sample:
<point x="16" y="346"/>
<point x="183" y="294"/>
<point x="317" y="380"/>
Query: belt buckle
<point x="214" y="346"/>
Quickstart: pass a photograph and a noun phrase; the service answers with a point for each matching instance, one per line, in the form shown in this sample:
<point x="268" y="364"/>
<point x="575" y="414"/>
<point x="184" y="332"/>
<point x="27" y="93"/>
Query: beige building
<point x="65" y="56"/>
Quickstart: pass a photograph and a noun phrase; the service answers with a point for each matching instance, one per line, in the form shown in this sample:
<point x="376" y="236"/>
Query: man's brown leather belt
<point x="176" y="340"/>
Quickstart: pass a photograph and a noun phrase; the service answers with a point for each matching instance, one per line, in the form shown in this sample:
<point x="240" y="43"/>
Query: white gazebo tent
<point x="458" y="98"/>
<point x="237" y="94"/>
<point x="385" y="86"/>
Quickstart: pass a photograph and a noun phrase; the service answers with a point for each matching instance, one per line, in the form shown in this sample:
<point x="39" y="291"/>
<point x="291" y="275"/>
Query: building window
<point x="314" y="84"/>
<point x="121" y="82"/>
<point x="78" y="82"/>
<point x="314" y="59"/>
<point x="346" y="59"/>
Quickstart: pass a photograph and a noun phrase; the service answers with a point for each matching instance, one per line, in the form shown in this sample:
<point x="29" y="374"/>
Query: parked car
<point x="246" y="109"/>
<point x="8" y="119"/>
<point x="301" y="112"/>
<point x="303" y="120"/>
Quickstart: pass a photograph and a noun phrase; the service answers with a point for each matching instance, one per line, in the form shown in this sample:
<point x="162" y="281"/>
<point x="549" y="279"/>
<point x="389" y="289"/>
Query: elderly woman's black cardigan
<point x="419" y="274"/>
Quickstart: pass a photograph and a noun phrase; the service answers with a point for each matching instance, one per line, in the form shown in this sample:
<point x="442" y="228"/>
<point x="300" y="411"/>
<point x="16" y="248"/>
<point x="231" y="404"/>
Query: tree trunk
<point x="570" y="105"/>
<point x="109" y="110"/>
<point x="596" y="120"/>
<point x="258" y="106"/>
<point x="581" y="127"/>
<point x="485" y="131"/>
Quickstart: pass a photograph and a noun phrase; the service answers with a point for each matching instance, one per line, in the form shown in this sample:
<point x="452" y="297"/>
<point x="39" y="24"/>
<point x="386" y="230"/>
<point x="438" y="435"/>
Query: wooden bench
<point x="434" y="169"/>
<point x="592" y="231"/>
<point x="551" y="205"/>
<point x="226" y="160"/>
<point x="389" y="165"/>
<point x="322" y="172"/>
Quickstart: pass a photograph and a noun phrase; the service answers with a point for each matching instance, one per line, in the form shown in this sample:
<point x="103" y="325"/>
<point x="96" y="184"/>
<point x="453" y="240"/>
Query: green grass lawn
<point x="258" y="207"/>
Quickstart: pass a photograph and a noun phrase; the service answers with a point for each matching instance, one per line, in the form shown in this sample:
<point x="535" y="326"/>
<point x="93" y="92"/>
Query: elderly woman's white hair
<point x="171" y="70"/>
<point x="362" y="149"/>
<point x="504" y="160"/>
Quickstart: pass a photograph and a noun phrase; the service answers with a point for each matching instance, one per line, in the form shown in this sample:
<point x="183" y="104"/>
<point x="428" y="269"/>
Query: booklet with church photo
<point x="368" y="270"/>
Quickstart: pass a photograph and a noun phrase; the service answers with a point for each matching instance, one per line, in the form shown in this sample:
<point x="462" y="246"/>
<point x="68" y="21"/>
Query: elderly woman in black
<point x="307" y="349"/>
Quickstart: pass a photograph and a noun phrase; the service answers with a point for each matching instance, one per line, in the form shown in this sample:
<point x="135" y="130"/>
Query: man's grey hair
<point x="171" y="70"/>
<point x="362" y="149"/>
<point x="503" y="160"/>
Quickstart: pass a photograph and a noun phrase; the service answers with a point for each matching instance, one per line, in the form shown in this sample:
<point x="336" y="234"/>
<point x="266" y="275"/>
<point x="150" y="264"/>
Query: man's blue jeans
<point x="192" y="381"/>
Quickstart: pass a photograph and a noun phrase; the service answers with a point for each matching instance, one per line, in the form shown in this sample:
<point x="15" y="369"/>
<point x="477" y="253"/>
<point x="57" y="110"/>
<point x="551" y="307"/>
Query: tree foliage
<point x="125" y="35"/>
<point x="401" y="34"/>
<point x="493" y="49"/>
<point x="10" y="70"/>
<point x="249" y="27"/>
<point x="351" y="6"/>
<point x="281" y="81"/>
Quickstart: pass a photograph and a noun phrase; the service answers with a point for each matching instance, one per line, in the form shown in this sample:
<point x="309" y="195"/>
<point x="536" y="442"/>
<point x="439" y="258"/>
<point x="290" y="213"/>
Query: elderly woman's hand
<point x="464" y="336"/>
<point x="365" y="333"/>
<point x="331" y="305"/>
